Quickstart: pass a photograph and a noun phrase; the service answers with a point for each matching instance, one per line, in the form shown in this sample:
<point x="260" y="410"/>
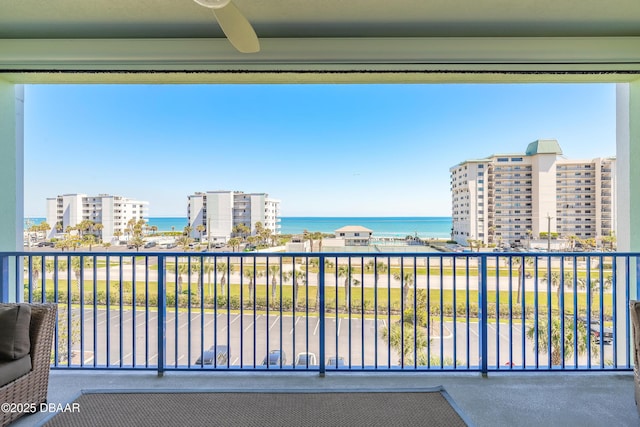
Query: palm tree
<point x="315" y="262"/>
<point x="183" y="268"/>
<point x="221" y="267"/>
<point x="307" y="236"/>
<point x="184" y="242"/>
<point x="474" y="243"/>
<point x="36" y="269"/>
<point x="234" y="242"/>
<point x="377" y="268"/>
<point x="273" y="272"/>
<point x="187" y="231"/>
<point x="593" y="285"/>
<point x="556" y="282"/>
<point x="528" y="261"/>
<point x="555" y="341"/>
<point x="195" y="268"/>
<point x="407" y="279"/>
<point x="253" y="240"/>
<point x="241" y="231"/>
<point x="63" y="244"/>
<point x="252" y="274"/>
<point x="44" y="227"/>
<point x="137" y="241"/>
<point x="265" y="235"/>
<point x="208" y="269"/>
<point x="99" y="227"/>
<point x="89" y="240"/>
<point x="346" y="271"/>
<point x="258" y="227"/>
<point x="78" y="264"/>
<point x="401" y="338"/>
<point x="559" y="283"/>
<point x="610" y="240"/>
<point x="200" y="229"/>
<point x="297" y="276"/>
<point x="83" y="227"/>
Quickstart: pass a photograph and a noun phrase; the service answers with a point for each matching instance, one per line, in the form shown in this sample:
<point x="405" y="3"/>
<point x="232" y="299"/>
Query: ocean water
<point x="425" y="227"/>
<point x="437" y="227"/>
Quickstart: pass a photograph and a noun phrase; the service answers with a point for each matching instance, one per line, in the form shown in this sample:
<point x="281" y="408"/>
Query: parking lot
<point x="250" y="338"/>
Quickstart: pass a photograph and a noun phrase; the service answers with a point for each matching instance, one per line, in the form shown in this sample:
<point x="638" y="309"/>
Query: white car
<point x="306" y="359"/>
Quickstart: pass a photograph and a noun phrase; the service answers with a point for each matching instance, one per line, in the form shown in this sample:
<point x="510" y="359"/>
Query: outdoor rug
<point x="426" y="407"/>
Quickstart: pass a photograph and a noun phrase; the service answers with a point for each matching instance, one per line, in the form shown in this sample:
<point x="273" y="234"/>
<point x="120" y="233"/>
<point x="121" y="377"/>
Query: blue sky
<point x="323" y="150"/>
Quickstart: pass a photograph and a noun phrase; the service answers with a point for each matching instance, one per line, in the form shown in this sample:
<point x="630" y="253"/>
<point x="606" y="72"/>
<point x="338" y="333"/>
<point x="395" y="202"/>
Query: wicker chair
<point x="32" y="387"/>
<point x="634" y="313"/>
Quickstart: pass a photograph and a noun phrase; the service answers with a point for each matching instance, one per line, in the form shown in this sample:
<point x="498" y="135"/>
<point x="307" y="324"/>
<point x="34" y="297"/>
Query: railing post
<point x="162" y="311"/>
<point x="636" y="291"/>
<point x="482" y="297"/>
<point x="4" y="278"/>
<point x="321" y="315"/>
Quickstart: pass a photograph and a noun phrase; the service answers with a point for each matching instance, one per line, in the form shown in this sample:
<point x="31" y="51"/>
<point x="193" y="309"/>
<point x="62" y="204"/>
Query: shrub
<point x="221" y="301"/>
<point x="234" y="303"/>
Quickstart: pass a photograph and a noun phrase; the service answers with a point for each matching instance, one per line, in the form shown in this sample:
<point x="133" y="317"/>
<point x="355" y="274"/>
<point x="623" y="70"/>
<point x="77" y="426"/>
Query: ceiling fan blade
<point x="237" y="29"/>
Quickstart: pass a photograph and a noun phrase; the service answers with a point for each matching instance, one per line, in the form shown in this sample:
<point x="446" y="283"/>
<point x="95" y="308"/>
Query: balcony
<point x="474" y="312"/>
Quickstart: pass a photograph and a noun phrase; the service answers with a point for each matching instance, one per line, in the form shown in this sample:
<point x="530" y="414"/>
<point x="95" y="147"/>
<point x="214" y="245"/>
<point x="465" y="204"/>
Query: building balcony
<point x="97" y="303"/>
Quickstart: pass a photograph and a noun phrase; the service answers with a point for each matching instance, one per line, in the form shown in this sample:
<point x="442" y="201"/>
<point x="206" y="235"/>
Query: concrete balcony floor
<point x="517" y="399"/>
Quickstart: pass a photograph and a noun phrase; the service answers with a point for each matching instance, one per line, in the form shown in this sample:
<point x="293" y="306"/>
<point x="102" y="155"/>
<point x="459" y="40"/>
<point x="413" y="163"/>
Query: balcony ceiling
<point x="587" y="38"/>
<point x="327" y="18"/>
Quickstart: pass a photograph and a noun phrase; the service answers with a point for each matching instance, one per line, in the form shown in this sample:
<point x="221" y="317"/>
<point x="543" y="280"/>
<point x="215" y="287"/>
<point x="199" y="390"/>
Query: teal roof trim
<point x="543" y="146"/>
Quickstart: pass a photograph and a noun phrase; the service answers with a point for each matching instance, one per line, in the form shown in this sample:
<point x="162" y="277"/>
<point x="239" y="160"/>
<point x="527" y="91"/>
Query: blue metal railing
<point x="321" y="312"/>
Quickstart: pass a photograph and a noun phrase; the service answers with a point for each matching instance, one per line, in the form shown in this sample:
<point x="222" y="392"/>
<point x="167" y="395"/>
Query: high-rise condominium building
<point x="220" y="211"/>
<point x="511" y="198"/>
<point x="113" y="212"/>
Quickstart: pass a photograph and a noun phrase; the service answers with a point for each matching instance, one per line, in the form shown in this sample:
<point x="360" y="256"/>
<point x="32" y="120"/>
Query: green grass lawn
<point x="360" y="296"/>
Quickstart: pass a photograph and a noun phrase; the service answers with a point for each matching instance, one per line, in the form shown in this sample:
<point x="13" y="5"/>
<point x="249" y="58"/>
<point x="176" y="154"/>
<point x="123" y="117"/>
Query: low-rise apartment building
<point x="220" y="211"/>
<point x="513" y="198"/>
<point x="354" y="235"/>
<point x="113" y="212"/>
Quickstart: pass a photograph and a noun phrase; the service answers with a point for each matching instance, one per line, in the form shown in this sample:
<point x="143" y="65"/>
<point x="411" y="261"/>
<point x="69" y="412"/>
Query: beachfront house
<point x="354" y="235"/>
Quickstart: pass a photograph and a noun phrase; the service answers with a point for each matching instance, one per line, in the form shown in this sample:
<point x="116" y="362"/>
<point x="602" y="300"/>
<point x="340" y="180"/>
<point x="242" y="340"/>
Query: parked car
<point x="306" y="359"/>
<point x="607" y="332"/>
<point x="150" y="245"/>
<point x="335" y="361"/>
<point x="275" y="357"/>
<point x="219" y="245"/>
<point x="46" y="244"/>
<point x="221" y="354"/>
